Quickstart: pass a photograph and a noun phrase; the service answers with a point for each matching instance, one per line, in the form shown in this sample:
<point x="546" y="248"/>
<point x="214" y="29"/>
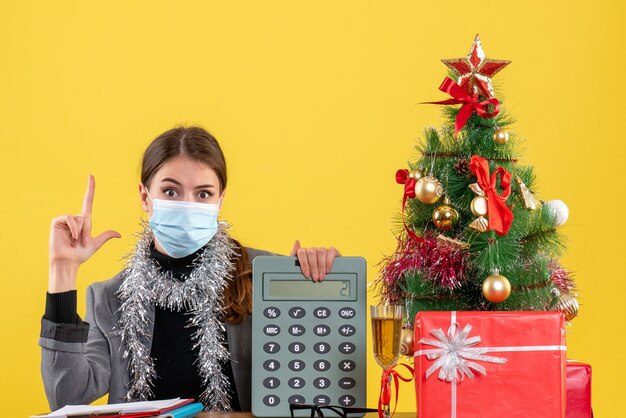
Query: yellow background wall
<point x="315" y="106"/>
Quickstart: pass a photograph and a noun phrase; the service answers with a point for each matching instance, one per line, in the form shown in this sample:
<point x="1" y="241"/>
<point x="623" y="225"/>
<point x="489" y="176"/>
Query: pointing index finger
<point x="88" y="201"/>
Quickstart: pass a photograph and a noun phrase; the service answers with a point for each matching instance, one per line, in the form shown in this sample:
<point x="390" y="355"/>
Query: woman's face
<point x="182" y="179"/>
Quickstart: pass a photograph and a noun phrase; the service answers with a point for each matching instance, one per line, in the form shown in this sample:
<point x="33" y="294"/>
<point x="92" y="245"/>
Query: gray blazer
<point x="81" y="372"/>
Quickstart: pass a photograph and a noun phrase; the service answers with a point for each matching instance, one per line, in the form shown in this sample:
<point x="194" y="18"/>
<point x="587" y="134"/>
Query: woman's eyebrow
<point x="209" y="186"/>
<point x="171" y="180"/>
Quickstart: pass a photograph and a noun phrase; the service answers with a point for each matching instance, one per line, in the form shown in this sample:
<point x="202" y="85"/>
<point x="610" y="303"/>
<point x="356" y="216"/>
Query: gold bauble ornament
<point x="428" y="189"/>
<point x="568" y="305"/>
<point x="496" y="288"/>
<point x="416" y="174"/>
<point x="500" y="136"/>
<point x="445" y="216"/>
<point x="407" y="343"/>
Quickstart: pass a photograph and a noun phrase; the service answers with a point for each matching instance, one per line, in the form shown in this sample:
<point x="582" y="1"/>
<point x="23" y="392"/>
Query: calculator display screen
<point x="302" y="289"/>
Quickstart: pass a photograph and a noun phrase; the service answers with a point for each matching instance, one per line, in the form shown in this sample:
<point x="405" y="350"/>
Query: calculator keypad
<point x="321" y="365"/>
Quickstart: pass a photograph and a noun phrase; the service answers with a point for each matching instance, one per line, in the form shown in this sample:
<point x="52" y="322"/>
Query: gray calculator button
<point x="321" y="348"/>
<point x="321" y="365"/>
<point x="296" y="399"/>
<point x="321" y="330"/>
<point x="271" y="365"/>
<point x="296" y="348"/>
<point x="321" y="313"/>
<point x="296" y="383"/>
<point x="271" y="347"/>
<point x="297" y="312"/>
<point x="347" y="330"/>
<point x="296" y="330"/>
<point x="346" y="383"/>
<point x="347" y="348"/>
<point x="346" y="400"/>
<point x="347" y="365"/>
<point x="321" y="383"/>
<point x="347" y="313"/>
<point x="271" y="312"/>
<point x="271" y="330"/>
<point x="321" y="400"/>
<point x="271" y="400"/>
<point x="271" y="382"/>
<point x="296" y="365"/>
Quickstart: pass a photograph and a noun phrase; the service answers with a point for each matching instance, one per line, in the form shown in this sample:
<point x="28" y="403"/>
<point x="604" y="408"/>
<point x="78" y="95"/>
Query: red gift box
<point x="578" y="390"/>
<point x="490" y="364"/>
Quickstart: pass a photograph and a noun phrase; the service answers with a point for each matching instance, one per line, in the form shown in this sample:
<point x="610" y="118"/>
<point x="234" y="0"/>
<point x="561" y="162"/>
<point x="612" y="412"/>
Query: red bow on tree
<point x="470" y="103"/>
<point x="500" y="215"/>
<point x="402" y="177"/>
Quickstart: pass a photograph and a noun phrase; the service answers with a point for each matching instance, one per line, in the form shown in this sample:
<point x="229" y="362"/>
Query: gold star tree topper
<point x="475" y="71"/>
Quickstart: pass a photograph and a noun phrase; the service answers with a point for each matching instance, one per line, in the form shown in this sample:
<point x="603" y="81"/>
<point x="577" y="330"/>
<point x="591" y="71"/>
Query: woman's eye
<point x="204" y="195"/>
<point x="170" y="193"/>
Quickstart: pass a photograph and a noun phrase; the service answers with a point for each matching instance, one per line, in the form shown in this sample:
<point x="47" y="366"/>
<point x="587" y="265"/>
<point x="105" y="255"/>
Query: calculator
<point x="308" y="338"/>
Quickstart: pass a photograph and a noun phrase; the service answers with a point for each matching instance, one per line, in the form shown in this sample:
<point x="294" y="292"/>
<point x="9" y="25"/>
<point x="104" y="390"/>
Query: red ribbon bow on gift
<point x="402" y="177"/>
<point x="385" y="387"/>
<point x="500" y="215"/>
<point x="470" y="103"/>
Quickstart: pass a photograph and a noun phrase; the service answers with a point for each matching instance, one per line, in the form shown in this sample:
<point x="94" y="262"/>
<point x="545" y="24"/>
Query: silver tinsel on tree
<point x="146" y="285"/>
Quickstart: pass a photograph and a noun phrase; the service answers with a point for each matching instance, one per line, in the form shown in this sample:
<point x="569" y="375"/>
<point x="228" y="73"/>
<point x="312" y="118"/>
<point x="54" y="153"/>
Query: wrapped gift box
<point x="490" y="364"/>
<point x="578" y="390"/>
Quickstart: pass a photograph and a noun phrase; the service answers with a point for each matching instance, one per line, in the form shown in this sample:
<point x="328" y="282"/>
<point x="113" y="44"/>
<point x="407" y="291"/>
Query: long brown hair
<point x="200" y="145"/>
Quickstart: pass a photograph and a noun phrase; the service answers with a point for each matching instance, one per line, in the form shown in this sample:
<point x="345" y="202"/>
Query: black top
<point x="172" y="344"/>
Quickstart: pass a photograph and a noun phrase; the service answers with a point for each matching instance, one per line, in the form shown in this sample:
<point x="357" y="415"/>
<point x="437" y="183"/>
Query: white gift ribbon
<point x="455" y="352"/>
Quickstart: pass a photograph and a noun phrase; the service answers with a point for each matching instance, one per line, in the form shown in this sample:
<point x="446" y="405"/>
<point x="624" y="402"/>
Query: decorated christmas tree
<point x="476" y="236"/>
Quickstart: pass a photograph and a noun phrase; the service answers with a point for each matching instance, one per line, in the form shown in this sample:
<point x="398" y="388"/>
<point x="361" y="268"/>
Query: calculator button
<point x="296" y="399"/>
<point x="296" y="365"/>
<point x="346" y="383"/>
<point x="296" y="382"/>
<point x="271" y="330"/>
<point x="321" y="313"/>
<point x="271" y="365"/>
<point x="271" y="382"/>
<point x="347" y="365"/>
<point x="271" y="400"/>
<point x="296" y="330"/>
<point x="321" y="348"/>
<point x="347" y="330"/>
<point x="321" y="400"/>
<point x="321" y="383"/>
<point x="347" y="348"/>
<point x="297" y="312"/>
<point x="271" y="347"/>
<point x="296" y="348"/>
<point x="346" y="400"/>
<point x="271" y="312"/>
<point x="322" y="330"/>
<point x="321" y="365"/>
<point x="347" y="313"/>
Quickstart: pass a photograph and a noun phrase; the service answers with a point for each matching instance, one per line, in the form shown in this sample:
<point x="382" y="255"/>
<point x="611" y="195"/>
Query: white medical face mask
<point x="182" y="228"/>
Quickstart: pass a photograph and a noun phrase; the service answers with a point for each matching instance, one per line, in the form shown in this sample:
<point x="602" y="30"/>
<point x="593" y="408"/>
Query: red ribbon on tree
<point x="470" y="103"/>
<point x="385" y="387"/>
<point x="402" y="177"/>
<point x="500" y="215"/>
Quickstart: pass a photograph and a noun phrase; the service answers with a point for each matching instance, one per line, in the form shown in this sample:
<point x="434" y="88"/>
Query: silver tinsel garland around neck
<point x="146" y="285"/>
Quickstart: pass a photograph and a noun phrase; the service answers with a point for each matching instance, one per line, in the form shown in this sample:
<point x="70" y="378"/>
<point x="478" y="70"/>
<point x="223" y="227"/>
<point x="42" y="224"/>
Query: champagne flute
<point x="386" y="334"/>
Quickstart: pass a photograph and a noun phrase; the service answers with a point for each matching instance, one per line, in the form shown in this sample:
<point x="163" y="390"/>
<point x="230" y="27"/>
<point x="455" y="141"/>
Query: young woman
<point x="176" y="321"/>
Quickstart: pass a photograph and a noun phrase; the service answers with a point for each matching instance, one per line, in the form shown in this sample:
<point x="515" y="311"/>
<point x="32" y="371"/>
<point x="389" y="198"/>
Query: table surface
<point x="249" y="415"/>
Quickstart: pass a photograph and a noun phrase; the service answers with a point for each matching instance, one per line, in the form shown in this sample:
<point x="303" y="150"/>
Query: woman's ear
<point x="143" y="196"/>
<point x="221" y="202"/>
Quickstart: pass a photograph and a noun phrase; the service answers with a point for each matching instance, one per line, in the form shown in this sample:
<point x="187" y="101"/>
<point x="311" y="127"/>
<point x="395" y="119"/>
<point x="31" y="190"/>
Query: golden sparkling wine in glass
<point x="386" y="334"/>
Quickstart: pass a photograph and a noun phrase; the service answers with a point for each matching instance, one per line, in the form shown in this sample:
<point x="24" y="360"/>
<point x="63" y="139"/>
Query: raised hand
<point x="71" y="243"/>
<point x="315" y="263"/>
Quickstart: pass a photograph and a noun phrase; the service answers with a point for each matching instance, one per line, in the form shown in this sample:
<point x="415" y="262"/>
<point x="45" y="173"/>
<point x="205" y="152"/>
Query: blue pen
<point x="187" y="411"/>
